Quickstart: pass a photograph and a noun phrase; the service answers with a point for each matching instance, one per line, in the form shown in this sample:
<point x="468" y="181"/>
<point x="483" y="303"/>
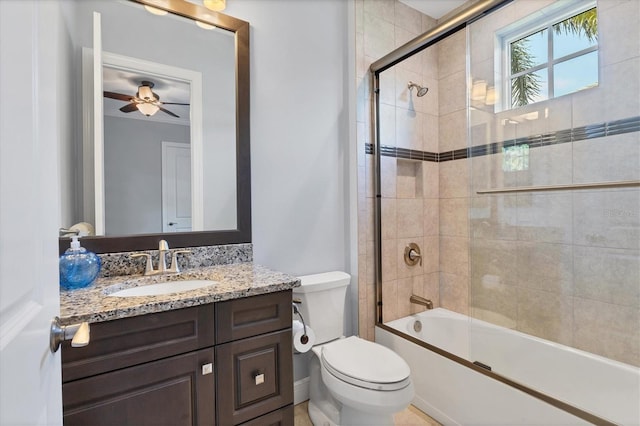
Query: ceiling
<point x="127" y="82"/>
<point x="434" y="8"/>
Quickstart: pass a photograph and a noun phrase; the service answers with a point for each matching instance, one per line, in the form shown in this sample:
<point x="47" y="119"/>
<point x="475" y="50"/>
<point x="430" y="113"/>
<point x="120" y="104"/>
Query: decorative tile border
<point x="611" y="128"/>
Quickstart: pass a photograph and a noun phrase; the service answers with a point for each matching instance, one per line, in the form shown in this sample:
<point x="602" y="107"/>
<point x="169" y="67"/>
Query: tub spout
<point x="419" y="300"/>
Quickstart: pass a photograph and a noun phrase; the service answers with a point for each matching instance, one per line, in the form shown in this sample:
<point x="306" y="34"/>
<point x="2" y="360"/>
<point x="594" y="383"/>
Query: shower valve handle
<point x="412" y="255"/>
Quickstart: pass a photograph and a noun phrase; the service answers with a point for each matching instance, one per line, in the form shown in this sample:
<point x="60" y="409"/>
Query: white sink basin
<point x="163" y="288"/>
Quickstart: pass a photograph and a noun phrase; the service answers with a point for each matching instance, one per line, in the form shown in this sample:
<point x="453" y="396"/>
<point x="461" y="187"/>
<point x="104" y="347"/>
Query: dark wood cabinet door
<point x="178" y="390"/>
<point x="281" y="417"/>
<point x="255" y="376"/>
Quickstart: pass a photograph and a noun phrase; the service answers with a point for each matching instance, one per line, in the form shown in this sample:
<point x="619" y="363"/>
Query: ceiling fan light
<point x="144" y="92"/>
<point x="216" y="5"/>
<point x="148" y="109"/>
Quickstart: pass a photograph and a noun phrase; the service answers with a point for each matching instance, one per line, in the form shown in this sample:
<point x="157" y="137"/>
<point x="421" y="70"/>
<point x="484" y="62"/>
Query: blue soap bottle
<point x="78" y="266"/>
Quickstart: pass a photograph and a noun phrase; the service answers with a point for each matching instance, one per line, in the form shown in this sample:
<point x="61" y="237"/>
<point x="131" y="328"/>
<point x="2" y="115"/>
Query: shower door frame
<point x="457" y="22"/>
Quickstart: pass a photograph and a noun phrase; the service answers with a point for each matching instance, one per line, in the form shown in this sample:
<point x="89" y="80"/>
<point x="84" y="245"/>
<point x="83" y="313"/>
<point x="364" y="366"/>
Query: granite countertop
<point x="234" y="281"/>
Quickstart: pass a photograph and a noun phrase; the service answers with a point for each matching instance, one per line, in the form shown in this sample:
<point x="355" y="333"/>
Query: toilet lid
<point x="365" y="364"/>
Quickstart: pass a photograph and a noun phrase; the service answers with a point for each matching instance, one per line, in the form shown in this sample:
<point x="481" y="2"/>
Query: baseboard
<point x="300" y="390"/>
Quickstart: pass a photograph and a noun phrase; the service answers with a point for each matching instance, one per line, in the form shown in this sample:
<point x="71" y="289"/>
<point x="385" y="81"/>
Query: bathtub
<point x="455" y="393"/>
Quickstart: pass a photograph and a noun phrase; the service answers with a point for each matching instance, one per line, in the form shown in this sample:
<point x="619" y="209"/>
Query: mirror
<point x="200" y="75"/>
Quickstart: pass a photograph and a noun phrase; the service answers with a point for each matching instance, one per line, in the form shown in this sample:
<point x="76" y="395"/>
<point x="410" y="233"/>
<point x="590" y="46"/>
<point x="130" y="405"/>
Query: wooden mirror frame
<point x="242" y="234"/>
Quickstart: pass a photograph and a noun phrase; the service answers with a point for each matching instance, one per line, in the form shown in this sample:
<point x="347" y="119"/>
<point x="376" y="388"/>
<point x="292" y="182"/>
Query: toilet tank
<point x="323" y="298"/>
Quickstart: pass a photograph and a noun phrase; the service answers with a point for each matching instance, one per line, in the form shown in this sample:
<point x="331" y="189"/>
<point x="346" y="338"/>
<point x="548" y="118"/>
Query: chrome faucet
<point x="419" y="300"/>
<point x="163" y="248"/>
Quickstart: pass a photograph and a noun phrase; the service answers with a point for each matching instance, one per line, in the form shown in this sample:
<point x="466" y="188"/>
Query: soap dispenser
<point x="78" y="266"/>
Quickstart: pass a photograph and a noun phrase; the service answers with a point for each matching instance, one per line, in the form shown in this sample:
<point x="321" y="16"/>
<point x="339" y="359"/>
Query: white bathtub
<point x="455" y="394"/>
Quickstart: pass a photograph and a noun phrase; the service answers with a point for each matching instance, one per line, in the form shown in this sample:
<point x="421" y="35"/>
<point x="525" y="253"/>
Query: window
<point x="552" y="56"/>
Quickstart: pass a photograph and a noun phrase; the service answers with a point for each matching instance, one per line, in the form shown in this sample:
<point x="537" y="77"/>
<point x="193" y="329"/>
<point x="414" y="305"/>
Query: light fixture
<point x="147" y="109"/>
<point x="144" y="92"/>
<point x="204" y="25"/>
<point x="155" y="10"/>
<point x="216" y="5"/>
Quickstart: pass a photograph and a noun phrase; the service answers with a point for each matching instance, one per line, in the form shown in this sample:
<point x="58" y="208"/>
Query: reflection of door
<point x="176" y="187"/>
<point x="33" y="125"/>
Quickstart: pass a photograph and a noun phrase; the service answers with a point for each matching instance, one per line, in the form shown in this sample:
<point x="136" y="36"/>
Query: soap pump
<point x="78" y="266"/>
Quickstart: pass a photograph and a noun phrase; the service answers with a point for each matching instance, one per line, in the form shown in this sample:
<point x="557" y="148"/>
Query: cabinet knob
<point x="207" y="369"/>
<point x="259" y="378"/>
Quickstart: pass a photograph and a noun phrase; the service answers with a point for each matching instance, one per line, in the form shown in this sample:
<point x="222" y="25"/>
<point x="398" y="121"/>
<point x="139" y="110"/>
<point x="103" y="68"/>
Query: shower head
<point x="421" y="90"/>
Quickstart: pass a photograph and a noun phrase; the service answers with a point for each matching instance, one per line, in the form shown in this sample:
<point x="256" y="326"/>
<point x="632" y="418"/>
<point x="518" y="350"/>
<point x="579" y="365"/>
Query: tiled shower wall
<point x="407" y="186"/>
<point x="562" y="266"/>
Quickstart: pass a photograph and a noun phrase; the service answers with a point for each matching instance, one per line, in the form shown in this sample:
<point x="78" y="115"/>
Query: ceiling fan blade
<point x="168" y="112"/>
<point x="172" y="103"/>
<point x="117" y="96"/>
<point x="129" y="108"/>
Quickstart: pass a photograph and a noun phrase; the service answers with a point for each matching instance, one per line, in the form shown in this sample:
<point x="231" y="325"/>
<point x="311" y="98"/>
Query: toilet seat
<point x="365" y="364"/>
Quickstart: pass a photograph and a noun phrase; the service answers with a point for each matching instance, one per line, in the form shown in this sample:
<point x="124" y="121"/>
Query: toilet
<point x="352" y="381"/>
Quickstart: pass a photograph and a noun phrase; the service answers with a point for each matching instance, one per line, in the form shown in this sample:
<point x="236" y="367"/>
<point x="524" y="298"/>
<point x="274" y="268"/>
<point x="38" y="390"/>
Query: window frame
<point x="539" y="21"/>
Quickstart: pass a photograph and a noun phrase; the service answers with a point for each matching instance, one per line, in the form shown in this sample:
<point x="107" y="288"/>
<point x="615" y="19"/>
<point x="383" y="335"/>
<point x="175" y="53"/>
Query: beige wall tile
<point x="609" y="159"/>
<point x="429" y="58"/>
<point x="494" y="262"/>
<point x="452" y="54"/>
<point x="378" y="34"/>
<point x="545" y="315"/>
<point x="622" y="87"/>
<point x="452" y="92"/>
<point x="410" y="215"/>
<point x="409" y="179"/>
<point x="608" y="330"/>
<point x="387" y="125"/>
<point x="454" y="255"/>
<point x="389" y="300"/>
<point x="387" y="82"/>
<point x="408" y="18"/>
<point x="454" y="179"/>
<point x="409" y="128"/>
<point x="493" y="217"/>
<point x="614" y="45"/>
<point x="389" y="260"/>
<point x="545" y="217"/>
<point x="430" y="133"/>
<point x="431" y="254"/>
<point x="405" y="289"/>
<point x="548" y="165"/>
<point x="430" y="179"/>
<point x="547" y="267"/>
<point x="454" y="217"/>
<point x="413" y="63"/>
<point x="431" y="287"/>
<point x="607" y="275"/>
<point x="388" y="177"/>
<point x="487" y="173"/>
<point x="454" y="292"/>
<point x="607" y="218"/>
<point x="431" y="217"/>
<point x="389" y="218"/>
<point x="495" y="302"/>
<point x="453" y="131"/>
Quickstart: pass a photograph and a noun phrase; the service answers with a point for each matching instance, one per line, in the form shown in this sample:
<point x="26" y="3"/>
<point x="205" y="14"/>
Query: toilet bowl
<point x="352" y="381"/>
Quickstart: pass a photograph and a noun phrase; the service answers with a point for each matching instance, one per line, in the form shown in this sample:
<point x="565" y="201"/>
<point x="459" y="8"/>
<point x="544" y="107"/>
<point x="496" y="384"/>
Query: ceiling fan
<point x="146" y="101"/>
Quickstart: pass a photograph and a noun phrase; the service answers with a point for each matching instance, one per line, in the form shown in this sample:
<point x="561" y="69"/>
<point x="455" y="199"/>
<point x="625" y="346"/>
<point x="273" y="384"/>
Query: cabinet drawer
<point x="250" y="316"/>
<point x="257" y="379"/>
<point x="281" y="417"/>
<point x="172" y="391"/>
<point x="136" y="340"/>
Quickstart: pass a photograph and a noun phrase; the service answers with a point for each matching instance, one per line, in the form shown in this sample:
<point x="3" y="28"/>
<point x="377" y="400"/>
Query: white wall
<point x="133" y="173"/>
<point x="301" y="156"/>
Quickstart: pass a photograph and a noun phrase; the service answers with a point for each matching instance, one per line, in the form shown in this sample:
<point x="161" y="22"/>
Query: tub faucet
<point x="419" y="300"/>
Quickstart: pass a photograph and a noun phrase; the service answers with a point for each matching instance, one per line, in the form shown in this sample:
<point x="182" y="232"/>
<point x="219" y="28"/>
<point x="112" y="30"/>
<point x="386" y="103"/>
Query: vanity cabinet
<point x="227" y="363"/>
